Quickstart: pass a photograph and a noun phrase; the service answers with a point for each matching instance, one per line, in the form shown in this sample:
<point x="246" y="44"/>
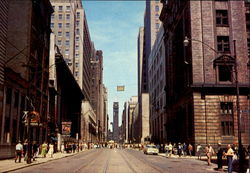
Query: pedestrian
<point x="35" y="149"/>
<point x="229" y="154"/>
<point x="62" y="148"/>
<point x="190" y="149"/>
<point x="170" y="149"/>
<point x="25" y="149"/>
<point x="166" y="149"/>
<point x="74" y="147"/>
<point x="19" y="150"/>
<point x="179" y="149"/>
<point x="44" y="149"/>
<point x="209" y="152"/>
<point x="185" y="149"/>
<point x="198" y="151"/>
<point x="219" y="157"/>
<point x="51" y="150"/>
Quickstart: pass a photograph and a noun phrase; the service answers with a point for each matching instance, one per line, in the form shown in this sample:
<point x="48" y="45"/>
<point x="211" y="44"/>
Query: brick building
<point x="200" y="78"/>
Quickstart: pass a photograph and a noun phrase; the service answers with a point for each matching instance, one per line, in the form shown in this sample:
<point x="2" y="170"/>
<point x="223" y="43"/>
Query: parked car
<point x="150" y="149"/>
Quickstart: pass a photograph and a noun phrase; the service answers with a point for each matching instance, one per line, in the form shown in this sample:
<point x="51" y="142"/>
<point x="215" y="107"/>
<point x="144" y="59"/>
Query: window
<point x="77" y="65"/>
<point x="67" y="34"/>
<point x="67" y="42"/>
<point x="221" y="18"/>
<point x="78" y="15"/>
<point x="226" y="110"/>
<point x="156" y="8"/>
<point x="53" y="7"/>
<point x="77" y="47"/>
<point x="59" y="33"/>
<point x="76" y="73"/>
<point x="77" y="23"/>
<point x="68" y="16"/>
<point x="157" y="25"/>
<point x="77" y="38"/>
<point x="157" y="17"/>
<point x="60" y="16"/>
<point x="59" y="42"/>
<point x="52" y="25"/>
<point x="67" y="8"/>
<point x="225" y="73"/>
<point x="66" y="51"/>
<point x="223" y="44"/>
<point x="248" y="47"/>
<point x="59" y="25"/>
<point x="52" y="16"/>
<point x="67" y="25"/>
<point x="77" y="55"/>
<point x="77" y="31"/>
<point x="60" y="8"/>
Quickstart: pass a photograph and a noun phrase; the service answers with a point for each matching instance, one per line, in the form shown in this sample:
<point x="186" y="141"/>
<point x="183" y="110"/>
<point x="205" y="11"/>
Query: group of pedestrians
<point x="230" y="153"/>
<point x="178" y="149"/>
<point x="22" y="150"/>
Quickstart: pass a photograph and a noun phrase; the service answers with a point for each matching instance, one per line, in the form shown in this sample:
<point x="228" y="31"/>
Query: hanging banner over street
<point x="66" y="128"/>
<point x="120" y="88"/>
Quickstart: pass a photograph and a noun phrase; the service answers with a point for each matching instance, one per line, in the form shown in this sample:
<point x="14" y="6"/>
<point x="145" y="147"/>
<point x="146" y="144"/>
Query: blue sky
<point x="114" y="27"/>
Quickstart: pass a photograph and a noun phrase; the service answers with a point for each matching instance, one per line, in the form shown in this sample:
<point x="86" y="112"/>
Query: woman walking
<point x="44" y="149"/>
<point x="51" y="150"/>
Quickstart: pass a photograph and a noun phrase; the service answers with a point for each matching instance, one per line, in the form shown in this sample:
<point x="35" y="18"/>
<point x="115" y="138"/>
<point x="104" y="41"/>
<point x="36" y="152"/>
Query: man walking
<point x="219" y="157"/>
<point x="229" y="154"/>
<point x="209" y="152"/>
<point x="19" y="150"/>
<point x="198" y="151"/>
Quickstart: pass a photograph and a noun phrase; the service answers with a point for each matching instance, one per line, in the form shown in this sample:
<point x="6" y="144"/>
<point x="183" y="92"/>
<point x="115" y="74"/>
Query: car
<point x="151" y="149"/>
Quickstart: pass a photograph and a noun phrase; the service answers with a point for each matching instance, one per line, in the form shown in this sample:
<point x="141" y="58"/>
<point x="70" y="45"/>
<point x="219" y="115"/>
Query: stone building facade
<point x="157" y="96"/>
<point x="26" y="72"/>
<point x="200" y="78"/>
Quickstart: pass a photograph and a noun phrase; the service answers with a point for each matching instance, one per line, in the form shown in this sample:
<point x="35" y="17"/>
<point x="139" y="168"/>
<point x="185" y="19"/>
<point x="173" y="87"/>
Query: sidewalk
<point x="10" y="165"/>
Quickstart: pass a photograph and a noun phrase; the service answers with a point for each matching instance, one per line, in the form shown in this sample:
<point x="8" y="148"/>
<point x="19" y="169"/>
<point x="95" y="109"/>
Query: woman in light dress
<point x="44" y="149"/>
<point x="51" y="150"/>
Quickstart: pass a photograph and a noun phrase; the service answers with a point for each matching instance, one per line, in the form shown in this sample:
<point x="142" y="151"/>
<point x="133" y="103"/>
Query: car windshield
<point x="151" y="146"/>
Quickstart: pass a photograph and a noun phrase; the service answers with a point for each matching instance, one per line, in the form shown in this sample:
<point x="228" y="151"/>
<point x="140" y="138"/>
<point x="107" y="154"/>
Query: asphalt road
<point x="119" y="161"/>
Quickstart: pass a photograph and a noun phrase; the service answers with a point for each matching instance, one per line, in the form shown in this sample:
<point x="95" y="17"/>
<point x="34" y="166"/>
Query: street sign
<point x="121" y="88"/>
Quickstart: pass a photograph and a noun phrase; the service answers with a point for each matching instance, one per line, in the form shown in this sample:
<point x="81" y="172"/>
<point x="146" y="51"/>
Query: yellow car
<point x="151" y="149"/>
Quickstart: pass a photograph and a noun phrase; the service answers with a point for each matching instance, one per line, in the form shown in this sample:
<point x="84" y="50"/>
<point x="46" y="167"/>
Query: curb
<point x="38" y="163"/>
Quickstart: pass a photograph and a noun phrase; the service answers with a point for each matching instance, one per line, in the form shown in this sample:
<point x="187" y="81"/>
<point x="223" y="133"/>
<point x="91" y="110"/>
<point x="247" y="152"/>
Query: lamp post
<point x="241" y="159"/>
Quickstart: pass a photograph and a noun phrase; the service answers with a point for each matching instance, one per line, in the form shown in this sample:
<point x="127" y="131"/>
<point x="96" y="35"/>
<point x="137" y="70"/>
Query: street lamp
<point x="241" y="159"/>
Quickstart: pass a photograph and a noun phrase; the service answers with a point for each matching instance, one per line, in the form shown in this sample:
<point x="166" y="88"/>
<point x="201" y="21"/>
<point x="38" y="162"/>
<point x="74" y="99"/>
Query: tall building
<point x="26" y="71"/>
<point x="145" y="42"/>
<point x="125" y="123"/>
<point x="156" y="89"/>
<point x="69" y="23"/>
<point x="116" y="121"/>
<point x="201" y="77"/>
<point x="133" y="101"/>
<point x="3" y="40"/>
<point x="97" y="90"/>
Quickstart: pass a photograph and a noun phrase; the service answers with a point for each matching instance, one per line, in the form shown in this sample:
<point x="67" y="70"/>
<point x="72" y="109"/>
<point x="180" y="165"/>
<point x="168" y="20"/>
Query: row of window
<point x="61" y="16"/>
<point x="60" y="8"/>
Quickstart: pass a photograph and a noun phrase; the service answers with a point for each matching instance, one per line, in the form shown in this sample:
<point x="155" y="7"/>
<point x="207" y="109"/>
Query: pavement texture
<point x="111" y="161"/>
<point x="10" y="165"/>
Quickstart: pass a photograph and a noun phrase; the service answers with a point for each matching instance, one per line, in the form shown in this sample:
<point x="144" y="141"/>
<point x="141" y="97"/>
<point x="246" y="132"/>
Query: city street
<point x="119" y="161"/>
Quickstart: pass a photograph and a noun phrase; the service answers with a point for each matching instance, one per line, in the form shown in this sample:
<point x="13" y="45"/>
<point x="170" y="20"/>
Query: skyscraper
<point x="116" y="121"/>
<point x="69" y="24"/>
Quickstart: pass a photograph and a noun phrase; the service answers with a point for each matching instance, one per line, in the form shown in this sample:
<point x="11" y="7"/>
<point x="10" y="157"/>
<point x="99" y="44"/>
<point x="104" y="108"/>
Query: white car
<point x="151" y="149"/>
